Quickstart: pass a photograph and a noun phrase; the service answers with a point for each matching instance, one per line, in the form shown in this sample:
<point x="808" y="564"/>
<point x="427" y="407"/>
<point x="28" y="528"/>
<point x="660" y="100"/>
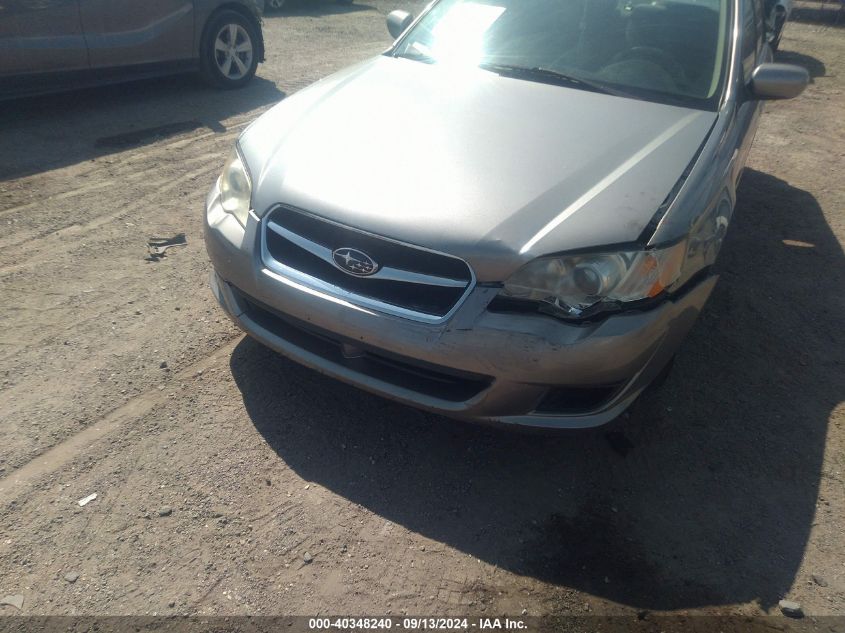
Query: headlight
<point x="236" y="187"/>
<point x="578" y="286"/>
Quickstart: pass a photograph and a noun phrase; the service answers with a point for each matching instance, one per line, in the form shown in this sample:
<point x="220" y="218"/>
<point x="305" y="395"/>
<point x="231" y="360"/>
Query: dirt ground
<point x="221" y="469"/>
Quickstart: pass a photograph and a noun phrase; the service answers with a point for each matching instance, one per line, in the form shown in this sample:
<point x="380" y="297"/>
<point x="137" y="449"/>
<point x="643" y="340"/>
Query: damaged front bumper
<point x="520" y="369"/>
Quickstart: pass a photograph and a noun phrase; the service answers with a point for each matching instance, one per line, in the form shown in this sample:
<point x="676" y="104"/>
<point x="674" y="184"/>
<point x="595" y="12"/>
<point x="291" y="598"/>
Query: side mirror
<point x="398" y="21"/>
<point x="778" y="81"/>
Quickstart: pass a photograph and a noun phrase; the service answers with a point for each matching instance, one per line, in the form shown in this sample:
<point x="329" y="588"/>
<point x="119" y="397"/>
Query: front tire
<point x="230" y="51"/>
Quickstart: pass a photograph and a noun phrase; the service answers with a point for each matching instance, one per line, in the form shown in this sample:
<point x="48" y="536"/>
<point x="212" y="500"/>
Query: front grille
<point x="410" y="281"/>
<point x="438" y="382"/>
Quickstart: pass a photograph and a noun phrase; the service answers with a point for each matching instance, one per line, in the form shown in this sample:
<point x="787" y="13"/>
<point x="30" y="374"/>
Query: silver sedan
<point x="512" y="214"/>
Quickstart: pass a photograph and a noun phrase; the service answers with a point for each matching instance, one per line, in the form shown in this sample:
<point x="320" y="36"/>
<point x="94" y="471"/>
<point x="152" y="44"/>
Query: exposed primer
<point x="608" y="180"/>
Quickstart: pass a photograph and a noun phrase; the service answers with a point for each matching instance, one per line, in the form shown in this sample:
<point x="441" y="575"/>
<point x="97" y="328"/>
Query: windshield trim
<point x="730" y="88"/>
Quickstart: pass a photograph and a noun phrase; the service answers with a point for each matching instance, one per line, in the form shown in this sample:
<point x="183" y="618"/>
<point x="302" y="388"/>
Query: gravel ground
<point x="231" y="481"/>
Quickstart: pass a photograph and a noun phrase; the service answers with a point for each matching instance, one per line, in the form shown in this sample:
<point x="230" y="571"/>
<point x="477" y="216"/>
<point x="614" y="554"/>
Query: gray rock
<point x="165" y="511"/>
<point x="15" y="600"/>
<point x="307" y="558"/>
<point x="71" y="576"/>
<point x="819" y="580"/>
<point x="791" y="609"/>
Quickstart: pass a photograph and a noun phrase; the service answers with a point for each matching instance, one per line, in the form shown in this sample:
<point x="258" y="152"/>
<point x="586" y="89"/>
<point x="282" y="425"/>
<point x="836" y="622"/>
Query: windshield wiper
<point x="416" y="56"/>
<point x="546" y="75"/>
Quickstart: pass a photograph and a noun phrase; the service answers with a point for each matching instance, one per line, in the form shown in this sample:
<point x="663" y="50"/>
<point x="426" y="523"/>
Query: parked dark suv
<point x="49" y="45"/>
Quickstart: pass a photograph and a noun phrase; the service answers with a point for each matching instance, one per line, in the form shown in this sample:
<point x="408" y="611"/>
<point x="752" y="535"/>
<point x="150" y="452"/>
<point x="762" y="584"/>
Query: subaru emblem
<point x="354" y="262"/>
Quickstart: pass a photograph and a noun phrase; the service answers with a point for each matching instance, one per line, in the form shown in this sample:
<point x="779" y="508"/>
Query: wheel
<point x="274" y="4"/>
<point x="229" y="54"/>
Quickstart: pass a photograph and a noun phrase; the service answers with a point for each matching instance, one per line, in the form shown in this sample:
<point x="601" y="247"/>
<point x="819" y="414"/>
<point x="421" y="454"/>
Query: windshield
<point x="665" y="50"/>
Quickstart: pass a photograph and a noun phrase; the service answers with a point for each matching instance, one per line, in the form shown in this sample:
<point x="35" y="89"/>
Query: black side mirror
<point x="778" y="81"/>
<point x="398" y="21"/>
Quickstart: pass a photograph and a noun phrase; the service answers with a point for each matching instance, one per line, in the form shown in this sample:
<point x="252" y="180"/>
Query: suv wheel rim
<point x="233" y="51"/>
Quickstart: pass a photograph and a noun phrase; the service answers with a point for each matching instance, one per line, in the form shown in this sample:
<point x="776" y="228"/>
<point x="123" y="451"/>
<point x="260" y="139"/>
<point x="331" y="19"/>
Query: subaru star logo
<point x="354" y="262"/>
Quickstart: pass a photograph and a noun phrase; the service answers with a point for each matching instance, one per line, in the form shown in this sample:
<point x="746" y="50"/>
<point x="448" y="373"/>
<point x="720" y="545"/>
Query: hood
<point x="492" y="169"/>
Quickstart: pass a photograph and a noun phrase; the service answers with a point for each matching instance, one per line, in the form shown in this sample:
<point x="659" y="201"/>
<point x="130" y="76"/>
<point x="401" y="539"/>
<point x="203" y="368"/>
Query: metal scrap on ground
<point x="158" y="246"/>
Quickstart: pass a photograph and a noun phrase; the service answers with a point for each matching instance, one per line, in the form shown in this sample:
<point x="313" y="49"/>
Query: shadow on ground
<point x="72" y="127"/>
<point x="712" y="505"/>
<point x="814" y="66"/>
<point x="830" y="13"/>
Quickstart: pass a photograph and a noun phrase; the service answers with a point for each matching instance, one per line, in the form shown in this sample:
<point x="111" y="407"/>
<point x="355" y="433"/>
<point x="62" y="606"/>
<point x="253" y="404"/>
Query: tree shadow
<point x="713" y="504"/>
<point x="316" y="8"/>
<point x="45" y="132"/>
<point x="814" y="66"/>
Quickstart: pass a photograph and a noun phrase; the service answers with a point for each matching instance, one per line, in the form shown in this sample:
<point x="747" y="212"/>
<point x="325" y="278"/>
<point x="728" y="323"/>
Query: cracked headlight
<point x="581" y="285"/>
<point x="236" y="187"/>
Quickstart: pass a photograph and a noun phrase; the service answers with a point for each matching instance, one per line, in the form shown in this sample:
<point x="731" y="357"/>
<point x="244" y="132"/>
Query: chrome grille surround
<point x="280" y="242"/>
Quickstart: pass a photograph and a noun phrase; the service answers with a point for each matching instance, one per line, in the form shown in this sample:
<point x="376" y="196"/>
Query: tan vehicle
<point x="510" y="216"/>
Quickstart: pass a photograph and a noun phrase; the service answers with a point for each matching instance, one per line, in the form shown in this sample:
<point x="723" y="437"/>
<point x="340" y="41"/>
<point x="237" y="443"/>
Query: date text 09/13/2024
<point x="416" y="624"/>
